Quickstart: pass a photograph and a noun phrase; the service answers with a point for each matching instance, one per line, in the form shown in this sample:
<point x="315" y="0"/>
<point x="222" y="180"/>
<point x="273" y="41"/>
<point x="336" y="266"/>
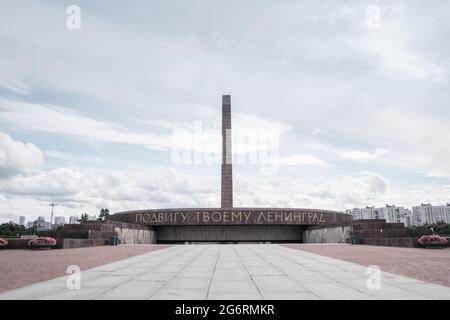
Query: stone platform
<point x="232" y="272"/>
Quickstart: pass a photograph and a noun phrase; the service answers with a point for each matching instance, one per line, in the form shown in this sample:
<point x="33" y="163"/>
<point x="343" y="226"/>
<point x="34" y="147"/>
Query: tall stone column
<point x="227" y="167"/>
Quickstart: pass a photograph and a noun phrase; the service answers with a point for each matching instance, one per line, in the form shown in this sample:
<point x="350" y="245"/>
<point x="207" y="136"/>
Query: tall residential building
<point x="59" y="221"/>
<point x="391" y="213"/>
<point x="22" y="220"/>
<point x="42" y="225"/>
<point x="73" y="220"/>
<point x="364" y="213"/>
<point x="429" y="214"/>
<point x="395" y="214"/>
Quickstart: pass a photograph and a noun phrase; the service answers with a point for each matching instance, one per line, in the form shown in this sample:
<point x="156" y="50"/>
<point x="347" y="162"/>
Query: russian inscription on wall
<point x="231" y="217"/>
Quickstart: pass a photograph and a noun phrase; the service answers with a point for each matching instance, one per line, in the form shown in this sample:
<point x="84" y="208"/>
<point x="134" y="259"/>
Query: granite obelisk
<point x="227" y="167"/>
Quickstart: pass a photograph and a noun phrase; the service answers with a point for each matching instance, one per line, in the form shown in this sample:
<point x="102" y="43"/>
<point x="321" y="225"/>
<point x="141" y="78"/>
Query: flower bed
<point x="432" y="241"/>
<point x="42" y="242"/>
<point x="3" y="243"/>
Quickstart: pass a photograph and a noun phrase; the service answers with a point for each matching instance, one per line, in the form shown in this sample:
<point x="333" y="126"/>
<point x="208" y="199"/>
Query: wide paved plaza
<point x="230" y="272"/>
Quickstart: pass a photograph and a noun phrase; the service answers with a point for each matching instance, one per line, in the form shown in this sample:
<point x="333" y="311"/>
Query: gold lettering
<point x="322" y="218"/>
<point x="216" y="216"/>
<point x="316" y="217"/>
<point x="288" y="216"/>
<point x="247" y="215"/>
<point x="226" y="217"/>
<point x="278" y="216"/>
<point x="238" y="216"/>
<point x="297" y="217"/>
<point x="153" y="218"/>
<point x="269" y="216"/>
<point x="146" y="218"/>
<point x="205" y="216"/>
<point x="161" y="217"/>
<point x="185" y="215"/>
<point x="139" y="218"/>
<point x="262" y="216"/>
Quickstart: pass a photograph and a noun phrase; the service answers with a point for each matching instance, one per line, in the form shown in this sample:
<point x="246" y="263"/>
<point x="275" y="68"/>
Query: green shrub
<point x="440" y="228"/>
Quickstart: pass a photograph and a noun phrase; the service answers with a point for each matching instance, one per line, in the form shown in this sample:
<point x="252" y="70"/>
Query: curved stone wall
<point x="235" y="216"/>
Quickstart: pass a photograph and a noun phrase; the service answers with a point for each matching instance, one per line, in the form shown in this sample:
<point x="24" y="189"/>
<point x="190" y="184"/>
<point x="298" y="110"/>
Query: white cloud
<point x="196" y="136"/>
<point x="422" y="140"/>
<point x="333" y="192"/>
<point x="17" y="157"/>
<point x="9" y="80"/>
<point x="67" y="156"/>
<point x="54" y="119"/>
<point x="315" y="66"/>
<point x="300" y="160"/>
<point x="363" y="155"/>
<point x="316" y="131"/>
<point x="395" y="45"/>
<point x="372" y="183"/>
<point x="398" y="61"/>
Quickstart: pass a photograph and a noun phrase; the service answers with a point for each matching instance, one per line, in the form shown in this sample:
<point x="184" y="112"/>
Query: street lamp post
<point x="53" y="205"/>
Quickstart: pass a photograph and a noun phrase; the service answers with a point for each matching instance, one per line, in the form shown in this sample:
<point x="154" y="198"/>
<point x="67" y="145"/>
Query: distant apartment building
<point x="391" y="213"/>
<point x="22" y="220"/>
<point x="73" y="220"/>
<point x="429" y="214"/>
<point x="364" y="213"/>
<point x="394" y="214"/>
<point x="59" y="221"/>
<point x="42" y="225"/>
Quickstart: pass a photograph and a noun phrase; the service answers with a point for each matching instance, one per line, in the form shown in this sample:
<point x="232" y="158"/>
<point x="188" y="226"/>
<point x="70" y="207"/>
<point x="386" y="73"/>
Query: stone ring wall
<point x="235" y="216"/>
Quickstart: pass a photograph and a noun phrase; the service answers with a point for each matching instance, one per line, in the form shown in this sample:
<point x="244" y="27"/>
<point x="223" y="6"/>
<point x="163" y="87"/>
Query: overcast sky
<point x="358" y="92"/>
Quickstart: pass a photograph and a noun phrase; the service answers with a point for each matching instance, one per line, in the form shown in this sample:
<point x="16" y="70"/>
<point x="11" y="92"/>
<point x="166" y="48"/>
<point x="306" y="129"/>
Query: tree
<point x="439" y="228"/>
<point x="84" y="217"/>
<point x="12" y="230"/>
<point x="103" y="213"/>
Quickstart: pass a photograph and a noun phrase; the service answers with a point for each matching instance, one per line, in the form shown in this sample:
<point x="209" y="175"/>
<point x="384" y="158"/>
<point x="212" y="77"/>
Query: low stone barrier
<point x="17" y="244"/>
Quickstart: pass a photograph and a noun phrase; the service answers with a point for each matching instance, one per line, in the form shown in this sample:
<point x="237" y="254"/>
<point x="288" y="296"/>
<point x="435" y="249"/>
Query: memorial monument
<point x="228" y="223"/>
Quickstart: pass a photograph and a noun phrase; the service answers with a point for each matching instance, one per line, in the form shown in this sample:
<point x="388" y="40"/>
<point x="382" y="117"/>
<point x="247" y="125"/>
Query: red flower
<point x="434" y="238"/>
<point x="42" y="241"/>
<point x="3" y="242"/>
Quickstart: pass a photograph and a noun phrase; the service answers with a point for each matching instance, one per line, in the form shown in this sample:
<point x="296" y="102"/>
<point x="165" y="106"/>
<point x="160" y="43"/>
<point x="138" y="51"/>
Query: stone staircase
<point x="86" y="234"/>
<point x="378" y="232"/>
<point x="100" y="233"/>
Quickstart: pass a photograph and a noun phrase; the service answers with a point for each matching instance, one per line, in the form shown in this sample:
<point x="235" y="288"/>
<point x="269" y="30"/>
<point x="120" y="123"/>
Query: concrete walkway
<point x="230" y="272"/>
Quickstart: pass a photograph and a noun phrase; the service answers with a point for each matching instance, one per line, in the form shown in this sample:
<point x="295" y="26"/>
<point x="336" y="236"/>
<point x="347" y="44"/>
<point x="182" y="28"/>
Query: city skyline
<point x="360" y="104"/>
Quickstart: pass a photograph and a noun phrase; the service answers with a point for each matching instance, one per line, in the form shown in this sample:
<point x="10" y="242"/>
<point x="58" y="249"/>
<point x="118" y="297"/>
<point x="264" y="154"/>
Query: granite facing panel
<point x="227" y="168"/>
<point x="236" y="216"/>
<point x="327" y="235"/>
<point x="227" y="186"/>
<point x="229" y="233"/>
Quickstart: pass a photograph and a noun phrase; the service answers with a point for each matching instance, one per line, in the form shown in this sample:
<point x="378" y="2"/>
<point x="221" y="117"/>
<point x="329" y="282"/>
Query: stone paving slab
<point x="19" y="268"/>
<point x="423" y="264"/>
<point x="242" y="271"/>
